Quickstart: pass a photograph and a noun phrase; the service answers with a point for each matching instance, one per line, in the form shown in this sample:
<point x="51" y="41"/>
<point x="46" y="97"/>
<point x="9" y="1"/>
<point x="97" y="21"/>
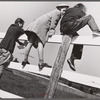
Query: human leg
<point x="40" y="51"/>
<point x="1" y="70"/>
<point x="31" y="38"/>
<point x="90" y="21"/>
<point x="77" y="49"/>
<point x="41" y="63"/>
<point x="5" y="58"/>
<point x="27" y="51"/>
<point x="74" y="26"/>
<point x="76" y="54"/>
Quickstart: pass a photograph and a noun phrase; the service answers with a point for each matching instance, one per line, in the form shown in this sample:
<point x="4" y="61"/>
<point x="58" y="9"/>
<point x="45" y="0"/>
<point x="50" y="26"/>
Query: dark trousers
<point x="71" y="27"/>
<point x="77" y="51"/>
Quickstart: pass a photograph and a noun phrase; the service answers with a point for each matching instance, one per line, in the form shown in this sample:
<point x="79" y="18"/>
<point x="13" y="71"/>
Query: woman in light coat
<point x="40" y="30"/>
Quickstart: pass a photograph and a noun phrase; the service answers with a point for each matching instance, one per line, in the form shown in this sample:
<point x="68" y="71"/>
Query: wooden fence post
<point x="58" y="66"/>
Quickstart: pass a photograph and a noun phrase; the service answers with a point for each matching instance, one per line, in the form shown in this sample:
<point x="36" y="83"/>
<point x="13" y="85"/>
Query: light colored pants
<point x="5" y="58"/>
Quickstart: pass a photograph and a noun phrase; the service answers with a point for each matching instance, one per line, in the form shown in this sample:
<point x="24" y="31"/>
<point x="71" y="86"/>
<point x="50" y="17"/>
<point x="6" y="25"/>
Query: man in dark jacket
<point x="74" y="19"/>
<point x="7" y="45"/>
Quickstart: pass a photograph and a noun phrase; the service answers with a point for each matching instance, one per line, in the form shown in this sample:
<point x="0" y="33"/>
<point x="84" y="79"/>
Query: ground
<point x="28" y="88"/>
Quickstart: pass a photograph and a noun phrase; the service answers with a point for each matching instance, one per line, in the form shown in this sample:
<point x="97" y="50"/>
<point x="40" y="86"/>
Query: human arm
<point x="56" y="15"/>
<point x="51" y="32"/>
<point x="95" y="35"/>
<point x="19" y="42"/>
<point x="54" y="22"/>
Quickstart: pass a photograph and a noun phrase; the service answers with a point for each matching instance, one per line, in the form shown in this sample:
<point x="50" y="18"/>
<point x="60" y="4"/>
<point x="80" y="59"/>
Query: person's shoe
<point x="96" y="34"/>
<point x="16" y="60"/>
<point x="24" y="63"/>
<point x="71" y="65"/>
<point x="42" y="65"/>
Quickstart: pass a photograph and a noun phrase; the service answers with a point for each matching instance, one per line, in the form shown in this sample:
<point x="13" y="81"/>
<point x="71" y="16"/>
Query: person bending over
<point x="74" y="19"/>
<point x="40" y="30"/>
<point x="7" y="44"/>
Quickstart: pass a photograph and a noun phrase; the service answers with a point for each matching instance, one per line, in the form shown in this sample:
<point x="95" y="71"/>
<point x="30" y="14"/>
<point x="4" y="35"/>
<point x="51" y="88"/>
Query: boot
<point x="71" y="64"/>
<point x="42" y="65"/>
<point x="24" y="63"/>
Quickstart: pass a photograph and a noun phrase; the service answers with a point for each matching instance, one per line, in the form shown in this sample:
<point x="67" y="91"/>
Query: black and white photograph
<point x="49" y="49"/>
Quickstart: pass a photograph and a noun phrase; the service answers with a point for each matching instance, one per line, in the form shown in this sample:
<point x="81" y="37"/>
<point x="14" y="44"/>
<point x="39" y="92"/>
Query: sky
<point x="29" y="11"/>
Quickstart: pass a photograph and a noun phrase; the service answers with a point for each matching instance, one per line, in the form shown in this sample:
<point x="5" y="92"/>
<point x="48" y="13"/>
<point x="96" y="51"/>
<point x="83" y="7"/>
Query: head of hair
<point x="81" y="7"/>
<point x="19" y="20"/>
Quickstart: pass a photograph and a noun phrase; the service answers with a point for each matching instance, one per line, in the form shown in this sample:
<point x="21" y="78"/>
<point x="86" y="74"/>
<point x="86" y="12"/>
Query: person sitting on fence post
<point x="40" y="30"/>
<point x="7" y="44"/>
<point x="74" y="19"/>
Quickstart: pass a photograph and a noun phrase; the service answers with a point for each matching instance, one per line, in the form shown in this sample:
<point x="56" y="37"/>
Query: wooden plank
<point x="76" y="91"/>
<point x="58" y="67"/>
<point x="30" y="68"/>
<point x="85" y="40"/>
<point x="68" y="75"/>
<point x="82" y="78"/>
<point x="4" y="94"/>
<point x="63" y="87"/>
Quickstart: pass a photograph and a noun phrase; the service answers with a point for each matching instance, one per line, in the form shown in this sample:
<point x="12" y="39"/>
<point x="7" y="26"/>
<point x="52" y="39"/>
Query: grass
<point x="28" y="88"/>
